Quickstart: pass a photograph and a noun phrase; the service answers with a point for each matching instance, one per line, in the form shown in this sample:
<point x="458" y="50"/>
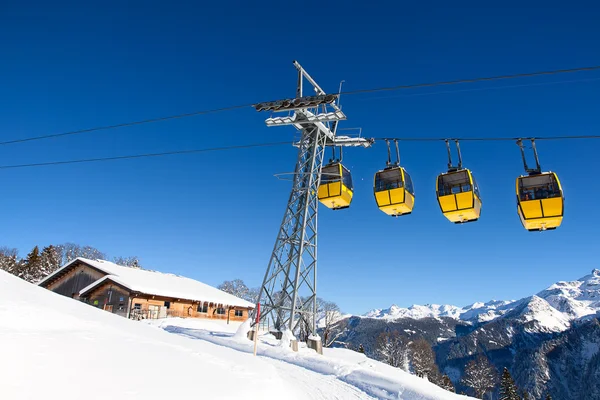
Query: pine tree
<point x="361" y="349"/>
<point x="508" y="389"/>
<point x="31" y="268"/>
<point x="525" y="395"/>
<point x="50" y="261"/>
<point x="548" y="397"/>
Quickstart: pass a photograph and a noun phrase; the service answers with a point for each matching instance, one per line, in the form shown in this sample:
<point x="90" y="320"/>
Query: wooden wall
<point x="110" y="297"/>
<point x="79" y="277"/>
<point x="184" y="308"/>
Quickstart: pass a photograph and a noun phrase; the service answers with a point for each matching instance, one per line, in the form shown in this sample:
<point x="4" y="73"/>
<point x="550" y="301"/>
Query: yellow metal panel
<point x="338" y="201"/>
<point x="335" y="188"/>
<point x="323" y="192"/>
<point x="469" y="207"/>
<point x="397" y="195"/>
<point x="395" y="210"/>
<point x="553" y="207"/>
<point x="541" y="224"/>
<point x="531" y="209"/>
<point x="464" y="200"/>
<point x="402" y="201"/>
<point x="447" y="203"/>
<point x="462" y="215"/>
<point x="382" y="198"/>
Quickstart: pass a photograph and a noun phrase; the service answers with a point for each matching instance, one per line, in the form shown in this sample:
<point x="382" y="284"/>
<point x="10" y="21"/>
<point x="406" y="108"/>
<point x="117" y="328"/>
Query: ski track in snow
<point x="317" y="386"/>
<point x="367" y="378"/>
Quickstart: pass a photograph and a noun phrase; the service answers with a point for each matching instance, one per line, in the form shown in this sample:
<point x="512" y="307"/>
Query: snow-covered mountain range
<point x="549" y="341"/>
<point x="551" y="310"/>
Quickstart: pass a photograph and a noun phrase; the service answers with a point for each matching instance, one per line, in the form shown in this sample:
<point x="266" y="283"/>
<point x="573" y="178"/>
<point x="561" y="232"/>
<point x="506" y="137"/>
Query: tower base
<point x="315" y="344"/>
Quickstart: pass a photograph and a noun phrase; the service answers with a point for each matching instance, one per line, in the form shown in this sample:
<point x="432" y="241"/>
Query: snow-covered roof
<point x="157" y="283"/>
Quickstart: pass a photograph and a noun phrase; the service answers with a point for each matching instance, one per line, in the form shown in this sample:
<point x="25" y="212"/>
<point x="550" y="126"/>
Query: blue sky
<point x="215" y="216"/>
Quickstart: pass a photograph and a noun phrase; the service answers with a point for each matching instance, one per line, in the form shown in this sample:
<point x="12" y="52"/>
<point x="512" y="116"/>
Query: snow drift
<point x="54" y="347"/>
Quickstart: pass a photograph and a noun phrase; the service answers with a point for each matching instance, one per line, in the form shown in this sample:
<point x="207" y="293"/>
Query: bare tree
<point x="252" y="296"/>
<point x="446" y="383"/>
<point x="422" y="358"/>
<point x="131" y="262"/>
<point x="393" y="349"/>
<point x="238" y="288"/>
<point x="331" y="315"/>
<point x="480" y="375"/>
<point x="70" y="251"/>
<point x="9" y="260"/>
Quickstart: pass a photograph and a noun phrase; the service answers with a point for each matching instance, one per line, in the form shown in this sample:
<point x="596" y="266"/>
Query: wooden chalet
<point x="140" y="294"/>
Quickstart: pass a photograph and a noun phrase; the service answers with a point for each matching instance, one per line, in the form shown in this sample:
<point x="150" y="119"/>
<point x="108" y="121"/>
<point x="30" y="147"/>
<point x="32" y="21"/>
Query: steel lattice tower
<point x="289" y="290"/>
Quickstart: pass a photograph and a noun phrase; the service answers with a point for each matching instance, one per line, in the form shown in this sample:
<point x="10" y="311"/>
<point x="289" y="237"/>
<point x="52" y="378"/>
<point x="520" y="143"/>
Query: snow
<point x="479" y="312"/>
<point x="157" y="283"/>
<point x="287" y="337"/>
<point x="242" y="331"/>
<point x="57" y="348"/>
<point x="551" y="310"/>
<point x="375" y="379"/>
<point x="545" y="318"/>
<point x="333" y="316"/>
<point x="415" y="311"/>
<point x="578" y="298"/>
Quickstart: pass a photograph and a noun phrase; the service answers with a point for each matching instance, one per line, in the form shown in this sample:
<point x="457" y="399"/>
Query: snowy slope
<point x="54" y="347"/>
<point x="551" y="310"/>
<point x="577" y="298"/>
<point x="539" y="316"/>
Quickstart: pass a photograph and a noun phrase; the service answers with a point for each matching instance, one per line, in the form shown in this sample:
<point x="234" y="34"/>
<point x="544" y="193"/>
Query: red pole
<point x="256" y="327"/>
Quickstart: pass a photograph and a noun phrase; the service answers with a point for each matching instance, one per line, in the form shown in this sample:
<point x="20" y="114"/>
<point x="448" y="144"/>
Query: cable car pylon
<point x="289" y="290"/>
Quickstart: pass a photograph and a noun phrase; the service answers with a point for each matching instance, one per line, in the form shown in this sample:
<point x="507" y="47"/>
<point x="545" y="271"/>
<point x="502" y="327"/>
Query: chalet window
<point x="167" y="304"/>
<point x="220" y="311"/>
<point x="239" y="313"/>
<point x="137" y="306"/>
<point x="203" y="308"/>
<point x="120" y="299"/>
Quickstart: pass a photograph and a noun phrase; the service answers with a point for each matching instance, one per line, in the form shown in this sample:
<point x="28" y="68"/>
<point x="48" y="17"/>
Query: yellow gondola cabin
<point x="335" y="190"/>
<point x="394" y="191"/>
<point x="458" y="196"/>
<point x="540" y="201"/>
